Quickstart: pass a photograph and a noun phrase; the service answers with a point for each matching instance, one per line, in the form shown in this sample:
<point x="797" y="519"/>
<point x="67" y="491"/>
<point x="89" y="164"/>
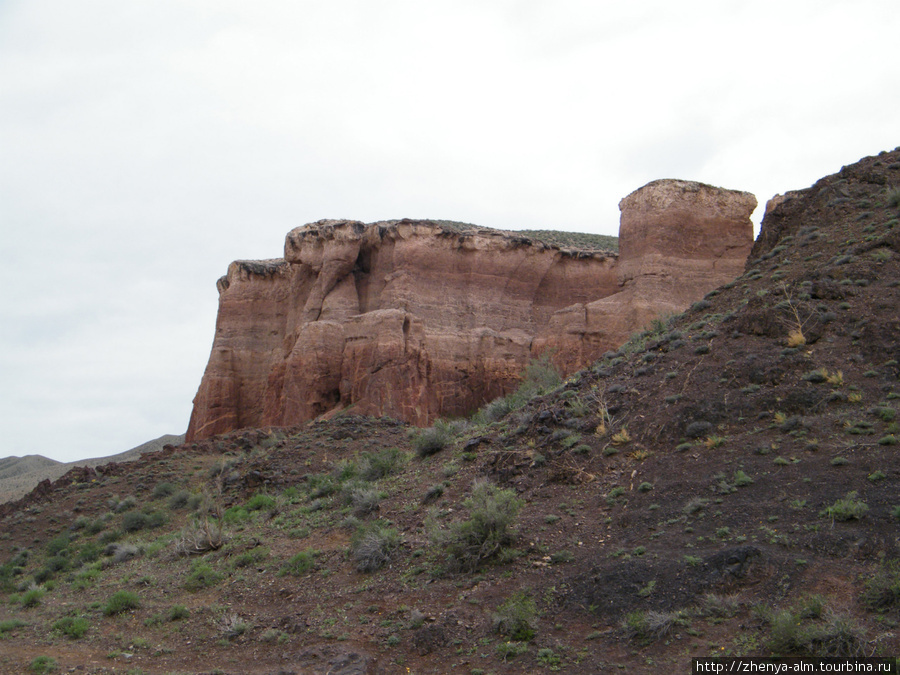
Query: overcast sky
<point x="148" y="143"/>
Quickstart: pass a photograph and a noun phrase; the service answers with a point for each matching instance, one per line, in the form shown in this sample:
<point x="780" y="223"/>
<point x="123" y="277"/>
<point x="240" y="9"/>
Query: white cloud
<point x="148" y="144"/>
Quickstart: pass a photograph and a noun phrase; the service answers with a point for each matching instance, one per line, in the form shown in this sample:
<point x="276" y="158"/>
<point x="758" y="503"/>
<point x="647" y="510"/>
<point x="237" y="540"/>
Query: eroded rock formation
<point x="421" y="319"/>
<point x="678" y="240"/>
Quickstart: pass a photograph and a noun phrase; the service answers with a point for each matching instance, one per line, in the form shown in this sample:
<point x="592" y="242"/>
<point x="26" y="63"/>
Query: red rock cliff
<point x="421" y="319"/>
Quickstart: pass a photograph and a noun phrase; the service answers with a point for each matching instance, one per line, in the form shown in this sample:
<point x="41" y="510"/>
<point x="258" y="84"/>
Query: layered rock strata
<point x="423" y="319"/>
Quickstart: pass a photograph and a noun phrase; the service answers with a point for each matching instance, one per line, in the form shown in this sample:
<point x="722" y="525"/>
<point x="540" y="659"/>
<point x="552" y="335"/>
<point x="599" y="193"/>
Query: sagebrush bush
<point x="363" y="499"/>
<point x="121" y="552"/>
<point x="199" y="538"/>
<point x="376" y="465"/>
<point x="497" y="409"/>
<point x="177" y="612"/>
<point x="201" y="576"/>
<point x="848" y="508"/>
<point x="489" y="528"/>
<point x="121" y="601"/>
<point x="58" y="544"/>
<point x="42" y="664"/>
<point x="72" y="627"/>
<point x="9" y="625"/>
<point x="882" y="589"/>
<point x="134" y="521"/>
<point x="893" y="197"/>
<point x="838" y="637"/>
<point x="120" y="506"/>
<point x="300" y="563"/>
<point x="233" y="626"/>
<point x="433" y="439"/>
<point x="540" y="377"/>
<point x="179" y="500"/>
<point x="648" y="626"/>
<point x="517" y="617"/>
<point x="32" y="597"/>
<point x="163" y="490"/>
<point x="372" y="545"/>
<point x="260" y="502"/>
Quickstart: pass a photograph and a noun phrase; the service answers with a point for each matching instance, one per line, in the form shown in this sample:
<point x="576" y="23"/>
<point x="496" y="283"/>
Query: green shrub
<point x="124" y="505"/>
<point x="90" y="551"/>
<point x="72" y="627"/>
<point x="562" y="557"/>
<point x="510" y="650"/>
<point x="252" y="557"/>
<point x="548" y="657"/>
<point x="540" y="377"/>
<point x="134" y="521"/>
<point x="645" y="487"/>
<point x="163" y="490"/>
<point x="376" y="465"/>
<point x="179" y="500"/>
<point x="121" y="601"/>
<point x="177" y="613"/>
<point x="85" y="578"/>
<point x="202" y="576"/>
<point x="433" y="493"/>
<point x="433" y="439"/>
<point x="32" y="597"/>
<point x="722" y="606"/>
<point x="233" y="626"/>
<point x="651" y="625"/>
<point x="363" y="499"/>
<point x="811" y="607"/>
<point x="517" y="617"/>
<point x="58" y="544"/>
<point x="741" y="479"/>
<point x="43" y="664"/>
<point x="838" y="637"/>
<point x="893" y="197"/>
<point x="882" y="590"/>
<point x="300" y="563"/>
<point x="260" y="502"/>
<point x="489" y="528"/>
<point x="614" y="494"/>
<point x="235" y="515"/>
<point x="372" y="545"/>
<point x="320" y="485"/>
<point x="9" y="625"/>
<point x="785" y="633"/>
<point x="848" y="508"/>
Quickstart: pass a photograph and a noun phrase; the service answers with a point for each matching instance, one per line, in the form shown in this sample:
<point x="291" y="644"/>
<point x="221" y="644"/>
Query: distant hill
<point x="19" y="475"/>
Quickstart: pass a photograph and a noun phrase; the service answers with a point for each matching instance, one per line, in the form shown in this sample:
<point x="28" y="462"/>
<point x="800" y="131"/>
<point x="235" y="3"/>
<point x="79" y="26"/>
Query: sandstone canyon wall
<point x="423" y="319"/>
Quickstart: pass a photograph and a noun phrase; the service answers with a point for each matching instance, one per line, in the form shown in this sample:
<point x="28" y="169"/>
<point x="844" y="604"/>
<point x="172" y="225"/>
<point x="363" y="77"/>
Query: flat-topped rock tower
<point x="419" y="319"/>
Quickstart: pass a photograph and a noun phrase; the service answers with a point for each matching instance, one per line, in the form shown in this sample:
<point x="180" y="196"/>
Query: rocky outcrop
<point x="421" y="319"/>
<point x="678" y="240"/>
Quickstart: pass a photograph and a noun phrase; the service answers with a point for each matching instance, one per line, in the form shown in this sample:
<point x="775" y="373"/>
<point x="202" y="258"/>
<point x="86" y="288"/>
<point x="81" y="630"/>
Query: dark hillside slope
<point x="723" y="484"/>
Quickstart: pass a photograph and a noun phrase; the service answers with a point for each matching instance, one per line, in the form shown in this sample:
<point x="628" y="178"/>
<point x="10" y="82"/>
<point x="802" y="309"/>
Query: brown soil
<point x="689" y="472"/>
